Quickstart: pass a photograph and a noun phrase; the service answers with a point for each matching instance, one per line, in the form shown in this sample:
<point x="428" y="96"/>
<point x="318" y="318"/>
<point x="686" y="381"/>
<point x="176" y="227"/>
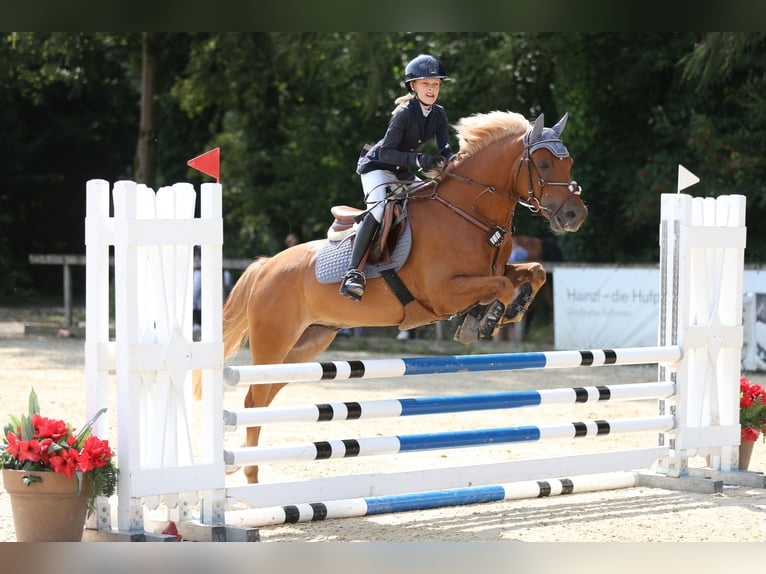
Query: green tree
<point x="291" y="111"/>
<point x="64" y="102"/>
<point x="728" y="127"/>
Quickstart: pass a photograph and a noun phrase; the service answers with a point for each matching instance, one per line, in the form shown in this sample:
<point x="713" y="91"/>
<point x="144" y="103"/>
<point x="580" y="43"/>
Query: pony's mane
<point x="479" y="130"/>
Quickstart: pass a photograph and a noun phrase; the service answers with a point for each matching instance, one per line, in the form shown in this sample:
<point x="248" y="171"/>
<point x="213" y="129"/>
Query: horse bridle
<point x="532" y="202"/>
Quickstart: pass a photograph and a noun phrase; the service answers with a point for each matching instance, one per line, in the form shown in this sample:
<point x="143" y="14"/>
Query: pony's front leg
<point x="480" y="321"/>
<point x="527" y="278"/>
<point x="485" y="297"/>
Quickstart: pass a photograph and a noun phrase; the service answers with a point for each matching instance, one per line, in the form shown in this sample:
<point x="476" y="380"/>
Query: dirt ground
<point x="55" y="368"/>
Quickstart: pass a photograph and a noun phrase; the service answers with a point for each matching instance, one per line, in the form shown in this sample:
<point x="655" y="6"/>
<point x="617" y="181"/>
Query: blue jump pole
<point x="349" y="448"/>
<point x="357" y="507"/>
<point x="365" y="410"/>
<point x="383" y="368"/>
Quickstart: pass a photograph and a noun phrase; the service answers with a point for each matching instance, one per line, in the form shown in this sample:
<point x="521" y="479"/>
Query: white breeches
<point x="375" y="185"/>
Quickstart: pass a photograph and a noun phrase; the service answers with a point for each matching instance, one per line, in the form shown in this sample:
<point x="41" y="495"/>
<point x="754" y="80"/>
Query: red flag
<point x="172" y="530"/>
<point x="208" y="163"/>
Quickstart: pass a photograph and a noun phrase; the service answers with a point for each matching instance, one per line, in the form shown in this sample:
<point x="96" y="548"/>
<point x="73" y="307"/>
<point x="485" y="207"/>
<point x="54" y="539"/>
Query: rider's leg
<point x="353" y="283"/>
<point x="375" y="185"/>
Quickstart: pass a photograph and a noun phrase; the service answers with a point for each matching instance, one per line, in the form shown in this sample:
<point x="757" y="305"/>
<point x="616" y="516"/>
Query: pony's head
<point x="543" y="182"/>
<point x="548" y="187"/>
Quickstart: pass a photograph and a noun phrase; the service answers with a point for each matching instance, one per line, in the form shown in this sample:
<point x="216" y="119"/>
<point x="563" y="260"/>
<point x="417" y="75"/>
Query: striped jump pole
<point x="348" y="448"/>
<point x="357" y="507"/>
<point x="364" y="410"/>
<point x="385" y="368"/>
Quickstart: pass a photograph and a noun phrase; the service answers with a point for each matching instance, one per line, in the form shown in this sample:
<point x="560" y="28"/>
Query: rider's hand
<point x="431" y="164"/>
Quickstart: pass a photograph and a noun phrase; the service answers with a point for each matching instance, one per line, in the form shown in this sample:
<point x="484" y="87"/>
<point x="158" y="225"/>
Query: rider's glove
<point x="431" y="163"/>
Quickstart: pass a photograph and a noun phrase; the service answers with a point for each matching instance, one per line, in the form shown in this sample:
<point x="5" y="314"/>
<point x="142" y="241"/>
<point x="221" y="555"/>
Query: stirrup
<point x="353" y="284"/>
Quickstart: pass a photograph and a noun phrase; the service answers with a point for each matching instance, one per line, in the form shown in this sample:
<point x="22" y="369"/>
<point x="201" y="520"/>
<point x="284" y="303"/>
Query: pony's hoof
<point x="468" y="331"/>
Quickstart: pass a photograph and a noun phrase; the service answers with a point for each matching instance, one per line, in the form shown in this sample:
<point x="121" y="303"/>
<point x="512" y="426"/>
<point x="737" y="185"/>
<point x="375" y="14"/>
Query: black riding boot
<point x="353" y="283"/>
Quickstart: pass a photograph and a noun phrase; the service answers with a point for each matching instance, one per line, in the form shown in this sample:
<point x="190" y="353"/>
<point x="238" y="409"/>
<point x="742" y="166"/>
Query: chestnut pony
<point x="461" y="239"/>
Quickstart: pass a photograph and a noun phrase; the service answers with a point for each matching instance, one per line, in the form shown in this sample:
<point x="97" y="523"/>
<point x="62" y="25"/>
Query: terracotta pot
<point x="47" y="511"/>
<point x="745" y="451"/>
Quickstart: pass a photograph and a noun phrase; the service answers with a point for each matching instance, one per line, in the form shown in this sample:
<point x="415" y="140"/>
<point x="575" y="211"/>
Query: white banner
<point x="754" y="321"/>
<point x="601" y="308"/>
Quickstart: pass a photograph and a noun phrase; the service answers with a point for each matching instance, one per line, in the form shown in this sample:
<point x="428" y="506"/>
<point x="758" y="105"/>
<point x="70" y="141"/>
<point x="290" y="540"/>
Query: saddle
<point x="391" y="229"/>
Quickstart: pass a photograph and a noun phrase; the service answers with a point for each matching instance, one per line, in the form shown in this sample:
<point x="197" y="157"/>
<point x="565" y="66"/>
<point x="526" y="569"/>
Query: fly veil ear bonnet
<point x="549" y="138"/>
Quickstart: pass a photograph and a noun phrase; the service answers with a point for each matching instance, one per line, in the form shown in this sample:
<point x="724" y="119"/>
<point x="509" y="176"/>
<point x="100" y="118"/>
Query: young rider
<point x="416" y="120"/>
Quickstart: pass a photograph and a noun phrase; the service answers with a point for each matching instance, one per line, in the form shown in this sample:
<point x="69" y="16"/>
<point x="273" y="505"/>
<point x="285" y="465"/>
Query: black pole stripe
<point x="357" y="369"/>
<point x="329" y="371"/>
<point x="352" y="447"/>
<point x="292" y="515"/>
<point x="567" y="486"/>
<point x="324" y="450"/>
<point x="604" y="394"/>
<point x="586" y="358"/>
<point x="354" y="411"/>
<point x="320" y="511"/>
<point x="545" y="488"/>
<point x="603" y="427"/>
<point x="326" y="412"/>
<point x="610" y="357"/>
<point x="581" y="395"/>
<point x="581" y="429"/>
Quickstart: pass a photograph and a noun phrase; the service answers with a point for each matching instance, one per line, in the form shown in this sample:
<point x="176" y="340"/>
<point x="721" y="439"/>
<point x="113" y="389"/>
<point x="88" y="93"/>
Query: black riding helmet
<point x="423" y="66"/>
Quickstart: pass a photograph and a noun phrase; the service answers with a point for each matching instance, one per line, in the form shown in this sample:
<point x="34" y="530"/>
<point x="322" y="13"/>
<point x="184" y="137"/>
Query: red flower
<point x="85" y="463"/>
<point x="45" y="427"/>
<point x="749" y="434"/>
<point x="29" y="450"/>
<point x="65" y="462"/>
<point x="14" y="445"/>
<point x="45" y="447"/>
<point x="752" y="411"/>
<point x="97" y="451"/>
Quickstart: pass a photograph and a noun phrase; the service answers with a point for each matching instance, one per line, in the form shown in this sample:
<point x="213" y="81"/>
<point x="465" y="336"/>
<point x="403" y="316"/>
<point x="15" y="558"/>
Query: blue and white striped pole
<point x="364" y="410"/>
<point x="384" y="368"/>
<point x="356" y="507"/>
<point x="349" y="448"/>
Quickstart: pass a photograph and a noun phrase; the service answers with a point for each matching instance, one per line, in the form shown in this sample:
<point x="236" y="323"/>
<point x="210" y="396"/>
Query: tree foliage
<point x="291" y="111"/>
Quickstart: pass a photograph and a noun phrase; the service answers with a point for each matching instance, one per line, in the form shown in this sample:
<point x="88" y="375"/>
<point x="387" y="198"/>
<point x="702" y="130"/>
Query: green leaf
<point x="85" y="431"/>
<point x="12" y="426"/>
<point x="78" y="474"/>
<point x="27" y="428"/>
<point x="34" y="405"/>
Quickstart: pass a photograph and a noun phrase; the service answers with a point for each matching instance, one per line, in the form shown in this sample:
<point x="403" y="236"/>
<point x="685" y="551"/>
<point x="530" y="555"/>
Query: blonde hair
<point x="403" y="100"/>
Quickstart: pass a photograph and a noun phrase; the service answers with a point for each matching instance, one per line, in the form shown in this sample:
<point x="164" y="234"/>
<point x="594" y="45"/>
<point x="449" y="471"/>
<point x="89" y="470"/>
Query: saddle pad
<point x="334" y="257"/>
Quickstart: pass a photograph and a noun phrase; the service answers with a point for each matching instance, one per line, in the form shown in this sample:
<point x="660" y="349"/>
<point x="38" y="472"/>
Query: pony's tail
<point x="235" y="310"/>
<point x="234" y="318"/>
